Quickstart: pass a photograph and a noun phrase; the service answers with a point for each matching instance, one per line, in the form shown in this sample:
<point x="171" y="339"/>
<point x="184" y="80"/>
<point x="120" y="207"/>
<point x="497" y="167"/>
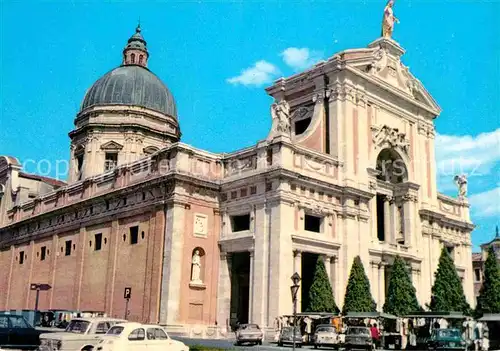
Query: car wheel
<point x="315" y="346"/>
<point x="260" y="342"/>
<point x="280" y="344"/>
<point x="238" y="343"/>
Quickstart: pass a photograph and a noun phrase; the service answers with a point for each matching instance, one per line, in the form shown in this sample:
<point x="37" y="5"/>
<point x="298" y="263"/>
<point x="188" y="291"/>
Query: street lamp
<point x="294" y="289"/>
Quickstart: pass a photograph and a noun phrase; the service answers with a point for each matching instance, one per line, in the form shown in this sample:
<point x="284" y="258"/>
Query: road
<point x="229" y="345"/>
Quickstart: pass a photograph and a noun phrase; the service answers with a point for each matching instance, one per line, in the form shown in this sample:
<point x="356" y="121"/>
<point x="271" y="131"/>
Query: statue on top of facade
<point x="196" y="267"/>
<point x="461" y="181"/>
<point x="388" y="20"/>
<point x="280" y="112"/>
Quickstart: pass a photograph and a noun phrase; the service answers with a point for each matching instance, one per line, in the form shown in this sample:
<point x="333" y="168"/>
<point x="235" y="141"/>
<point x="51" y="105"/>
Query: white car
<point x="81" y="334"/>
<point x="138" y="337"/>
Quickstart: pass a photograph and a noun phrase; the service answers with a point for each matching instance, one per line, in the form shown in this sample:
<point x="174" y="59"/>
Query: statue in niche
<point x="280" y="112"/>
<point x="461" y="181"/>
<point x="388" y="20"/>
<point x="196" y="267"/>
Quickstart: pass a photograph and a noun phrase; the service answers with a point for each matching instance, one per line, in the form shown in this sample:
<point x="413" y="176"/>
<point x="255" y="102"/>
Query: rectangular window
<point x="134" y="235"/>
<point x="240" y="223"/>
<point x="98" y="242"/>
<point x="477" y="274"/>
<point x="43" y="252"/>
<point x="380" y="218"/>
<point x="67" y="251"/>
<point x="111" y="161"/>
<point x="21" y="257"/>
<point x="312" y="223"/>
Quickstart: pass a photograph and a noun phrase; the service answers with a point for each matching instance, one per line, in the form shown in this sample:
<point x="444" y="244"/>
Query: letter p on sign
<point x="127" y="293"/>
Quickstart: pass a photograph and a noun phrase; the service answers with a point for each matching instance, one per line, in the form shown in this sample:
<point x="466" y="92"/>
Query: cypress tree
<point x="447" y="291"/>
<point x="489" y="295"/>
<point x="401" y="297"/>
<point x="358" y="297"/>
<point x="320" y="294"/>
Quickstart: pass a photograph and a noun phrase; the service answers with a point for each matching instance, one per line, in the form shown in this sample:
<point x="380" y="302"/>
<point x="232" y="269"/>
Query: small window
<point x="477" y="274"/>
<point x="141" y="57"/>
<point x="111" y="161"/>
<point x="134" y="235"/>
<point x="156" y="334"/>
<point x="102" y="328"/>
<point x="68" y="248"/>
<point x="137" y="334"/>
<point x="132" y="58"/>
<point x="43" y="253"/>
<point x="312" y="223"/>
<point x="98" y="242"/>
<point x="302" y="125"/>
<point x="79" y="161"/>
<point x="240" y="223"/>
<point x="21" y="257"/>
<point x="269" y="156"/>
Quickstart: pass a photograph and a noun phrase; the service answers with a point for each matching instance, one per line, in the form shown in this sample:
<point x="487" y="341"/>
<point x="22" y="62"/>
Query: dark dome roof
<point x="131" y="85"/>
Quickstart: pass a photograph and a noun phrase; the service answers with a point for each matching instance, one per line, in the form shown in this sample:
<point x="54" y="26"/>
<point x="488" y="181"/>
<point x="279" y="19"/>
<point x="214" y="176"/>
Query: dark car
<point x="286" y="337"/>
<point x="446" y="339"/>
<point x="17" y="333"/>
<point x="358" y="338"/>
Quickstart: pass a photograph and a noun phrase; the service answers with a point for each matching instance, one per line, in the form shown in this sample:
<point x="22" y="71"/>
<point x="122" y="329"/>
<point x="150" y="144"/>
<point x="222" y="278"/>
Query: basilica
<point x="201" y="239"/>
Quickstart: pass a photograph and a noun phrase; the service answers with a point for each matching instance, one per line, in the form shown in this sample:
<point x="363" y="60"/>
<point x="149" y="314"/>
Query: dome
<point x="131" y="85"/>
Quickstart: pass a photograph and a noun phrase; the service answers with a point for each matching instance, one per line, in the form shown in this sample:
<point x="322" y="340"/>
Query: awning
<point x="373" y="315"/>
<point x="490" y="317"/>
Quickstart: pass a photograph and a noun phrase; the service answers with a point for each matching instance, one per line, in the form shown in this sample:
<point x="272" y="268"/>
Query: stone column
<point x="387" y="220"/>
<point x="332" y="275"/>
<point x="173" y="259"/>
<point x="408" y="219"/>
<point x="224" y="291"/>
<point x="381" y="283"/>
<point x="297" y="267"/>
<point x="250" y="289"/>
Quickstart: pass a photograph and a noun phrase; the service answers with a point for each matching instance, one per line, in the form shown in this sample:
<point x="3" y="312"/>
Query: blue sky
<point x="52" y="52"/>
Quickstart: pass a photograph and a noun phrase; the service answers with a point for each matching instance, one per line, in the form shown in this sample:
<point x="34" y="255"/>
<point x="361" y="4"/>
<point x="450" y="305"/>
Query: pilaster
<point x="297" y="267"/>
<point x="172" y="263"/>
<point x="224" y="291"/>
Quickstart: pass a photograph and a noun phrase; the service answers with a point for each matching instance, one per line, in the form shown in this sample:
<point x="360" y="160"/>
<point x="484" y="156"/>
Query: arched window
<point x="132" y="58"/>
<point x="391" y="167"/>
<point x="141" y="57"/>
<point x="197" y="266"/>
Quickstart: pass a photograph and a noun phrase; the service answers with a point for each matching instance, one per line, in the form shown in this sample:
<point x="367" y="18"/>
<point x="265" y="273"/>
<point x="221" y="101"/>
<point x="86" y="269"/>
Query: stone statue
<point x="280" y="113"/>
<point x="196" y="267"/>
<point x="388" y="20"/>
<point x="461" y="181"/>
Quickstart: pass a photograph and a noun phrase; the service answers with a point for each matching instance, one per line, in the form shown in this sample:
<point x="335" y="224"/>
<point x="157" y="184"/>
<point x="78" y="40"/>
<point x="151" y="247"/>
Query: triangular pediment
<point x="382" y="62"/>
<point x="111" y="146"/>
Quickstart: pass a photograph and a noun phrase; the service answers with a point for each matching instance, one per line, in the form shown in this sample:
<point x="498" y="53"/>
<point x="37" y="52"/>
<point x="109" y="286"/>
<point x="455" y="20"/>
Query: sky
<point x="218" y="56"/>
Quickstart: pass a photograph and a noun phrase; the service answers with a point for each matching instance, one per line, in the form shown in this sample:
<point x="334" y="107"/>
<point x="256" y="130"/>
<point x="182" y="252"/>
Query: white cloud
<point x="300" y="58"/>
<point x="471" y="155"/>
<point x="486" y="204"/>
<point x="261" y="73"/>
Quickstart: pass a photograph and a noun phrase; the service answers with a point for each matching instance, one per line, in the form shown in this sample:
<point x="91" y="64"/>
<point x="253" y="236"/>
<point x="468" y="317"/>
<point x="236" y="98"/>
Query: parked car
<point x="249" y="333"/>
<point x="358" y="338"/>
<point x="325" y="335"/>
<point x="17" y="333"/>
<point x="446" y="339"/>
<point x="286" y="337"/>
<point x="81" y="334"/>
<point x="138" y="337"/>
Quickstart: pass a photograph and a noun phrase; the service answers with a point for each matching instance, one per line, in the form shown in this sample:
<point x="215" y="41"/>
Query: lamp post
<point x="294" y="288"/>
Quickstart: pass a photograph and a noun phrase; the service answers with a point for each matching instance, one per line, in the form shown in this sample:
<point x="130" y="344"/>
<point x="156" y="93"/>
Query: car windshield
<point x="250" y="327"/>
<point x="77" y="326"/>
<point x="449" y="333"/>
<point x="325" y="330"/>
<point x="358" y="331"/>
<point x="116" y="330"/>
<point x="289" y="330"/>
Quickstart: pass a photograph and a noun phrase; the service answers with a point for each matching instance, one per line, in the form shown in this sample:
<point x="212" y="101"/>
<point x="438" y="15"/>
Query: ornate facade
<point x="206" y="239"/>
